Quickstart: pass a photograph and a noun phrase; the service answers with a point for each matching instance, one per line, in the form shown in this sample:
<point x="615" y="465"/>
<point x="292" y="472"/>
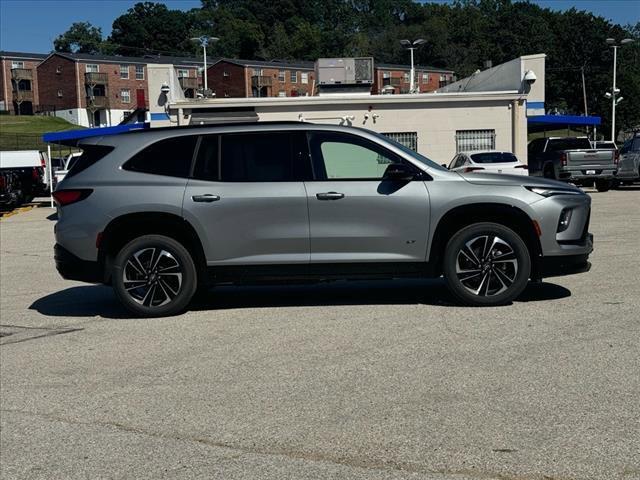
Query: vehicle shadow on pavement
<point x="82" y="301"/>
<point x="98" y="300"/>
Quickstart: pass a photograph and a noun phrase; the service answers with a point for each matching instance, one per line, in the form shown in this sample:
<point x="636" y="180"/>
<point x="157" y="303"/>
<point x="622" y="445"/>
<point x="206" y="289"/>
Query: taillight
<point x="43" y="163"/>
<point x="35" y="174"/>
<point x="616" y="157"/>
<point x="67" y="197"/>
<point x="563" y="159"/>
<point x="472" y="169"/>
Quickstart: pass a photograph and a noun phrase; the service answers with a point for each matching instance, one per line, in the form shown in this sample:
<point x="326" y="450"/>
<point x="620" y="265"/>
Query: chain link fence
<point x="21" y="141"/>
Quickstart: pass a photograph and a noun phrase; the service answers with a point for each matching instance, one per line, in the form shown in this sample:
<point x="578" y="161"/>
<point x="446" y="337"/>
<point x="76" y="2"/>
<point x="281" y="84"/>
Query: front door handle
<point x="206" y="198"/>
<point x="329" y="196"/>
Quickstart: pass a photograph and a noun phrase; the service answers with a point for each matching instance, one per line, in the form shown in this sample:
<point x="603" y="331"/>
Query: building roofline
<point x="350" y="99"/>
<point x="393" y="66"/>
<point x="300" y="65"/>
<point x="22" y="55"/>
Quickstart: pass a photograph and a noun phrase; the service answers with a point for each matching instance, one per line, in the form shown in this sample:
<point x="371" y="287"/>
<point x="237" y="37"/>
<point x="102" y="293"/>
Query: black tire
<point x="549" y="172"/>
<point x="502" y="271"/>
<point x="148" y="291"/>
<point x="603" y="185"/>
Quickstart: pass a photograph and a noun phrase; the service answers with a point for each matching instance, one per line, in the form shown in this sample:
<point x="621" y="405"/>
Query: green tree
<point x="81" y="37"/>
<point x="152" y="28"/>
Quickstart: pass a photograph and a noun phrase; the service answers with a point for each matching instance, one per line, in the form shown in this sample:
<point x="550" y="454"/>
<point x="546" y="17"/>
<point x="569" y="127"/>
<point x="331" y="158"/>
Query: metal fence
<point x="408" y="139"/>
<point x="469" y="140"/>
<point x="21" y="141"/>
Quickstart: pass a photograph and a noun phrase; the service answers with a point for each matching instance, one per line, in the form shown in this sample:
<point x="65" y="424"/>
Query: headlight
<point x="551" y="191"/>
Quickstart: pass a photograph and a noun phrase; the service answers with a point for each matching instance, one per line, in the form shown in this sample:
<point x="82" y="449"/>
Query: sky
<point x="31" y="25"/>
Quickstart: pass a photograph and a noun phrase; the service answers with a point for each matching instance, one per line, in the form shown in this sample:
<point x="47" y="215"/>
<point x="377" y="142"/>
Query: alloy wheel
<point x="152" y="277"/>
<point x="486" y="265"/>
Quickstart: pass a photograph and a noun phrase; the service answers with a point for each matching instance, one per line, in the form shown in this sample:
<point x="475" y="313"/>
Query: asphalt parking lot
<point x="379" y="380"/>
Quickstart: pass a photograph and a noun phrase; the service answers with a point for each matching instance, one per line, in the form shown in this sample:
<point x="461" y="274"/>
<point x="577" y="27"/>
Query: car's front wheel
<point x="154" y="276"/>
<point x="486" y="264"/>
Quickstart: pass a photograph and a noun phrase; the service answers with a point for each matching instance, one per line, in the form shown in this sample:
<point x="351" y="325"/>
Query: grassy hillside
<point x="24" y="132"/>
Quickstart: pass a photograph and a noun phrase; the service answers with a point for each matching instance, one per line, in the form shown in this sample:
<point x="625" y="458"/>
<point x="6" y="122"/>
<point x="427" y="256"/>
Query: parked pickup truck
<point x="573" y="159"/>
<point x="22" y="176"/>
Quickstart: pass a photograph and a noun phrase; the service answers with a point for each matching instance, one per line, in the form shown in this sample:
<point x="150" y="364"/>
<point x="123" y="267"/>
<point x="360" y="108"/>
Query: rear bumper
<point x="71" y="267"/>
<point x="581" y="175"/>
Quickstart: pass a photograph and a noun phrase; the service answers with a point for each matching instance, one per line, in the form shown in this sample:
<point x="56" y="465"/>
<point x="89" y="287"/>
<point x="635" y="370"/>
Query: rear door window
<point x="262" y="157"/>
<point x="171" y="157"/>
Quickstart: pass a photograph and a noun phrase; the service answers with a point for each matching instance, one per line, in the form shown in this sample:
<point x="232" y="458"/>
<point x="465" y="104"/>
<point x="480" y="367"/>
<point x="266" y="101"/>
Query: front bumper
<point x="559" y="266"/>
<point x="71" y="267"/>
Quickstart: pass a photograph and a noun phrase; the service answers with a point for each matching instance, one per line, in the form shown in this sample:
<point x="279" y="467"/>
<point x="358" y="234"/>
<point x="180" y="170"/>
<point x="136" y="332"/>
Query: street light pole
<point x="613" y="96"/>
<point x="411" y="46"/>
<point x="204" y="42"/>
<point x="614" y="91"/>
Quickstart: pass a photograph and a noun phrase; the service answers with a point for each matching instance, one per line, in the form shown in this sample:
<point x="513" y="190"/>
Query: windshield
<point x="493" y="157"/>
<point x="421" y="158"/>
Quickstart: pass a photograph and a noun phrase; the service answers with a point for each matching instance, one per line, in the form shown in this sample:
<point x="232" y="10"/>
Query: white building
<point x="437" y="125"/>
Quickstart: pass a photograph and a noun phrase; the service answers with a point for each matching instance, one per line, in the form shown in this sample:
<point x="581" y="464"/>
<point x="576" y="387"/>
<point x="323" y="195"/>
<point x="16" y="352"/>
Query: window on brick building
<point x="17" y="64"/>
<point x="294" y="76"/>
<point x="282" y="75"/>
<point x="124" y="72"/>
<point x="405" y="77"/>
<point x="59" y="93"/>
<point x="139" y="72"/>
<point x="183" y="72"/>
<point x="226" y="74"/>
<point x="304" y="77"/>
<point x="125" y="95"/>
<point x="58" y="70"/>
<point x="92" y="68"/>
<point x="425" y="77"/>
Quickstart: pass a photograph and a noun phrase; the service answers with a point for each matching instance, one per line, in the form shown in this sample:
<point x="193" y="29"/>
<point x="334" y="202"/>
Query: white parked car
<point x="488" y="161"/>
<point x="68" y="163"/>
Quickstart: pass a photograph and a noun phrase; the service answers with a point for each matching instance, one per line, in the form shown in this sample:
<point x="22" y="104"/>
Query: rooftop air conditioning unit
<point x="345" y="71"/>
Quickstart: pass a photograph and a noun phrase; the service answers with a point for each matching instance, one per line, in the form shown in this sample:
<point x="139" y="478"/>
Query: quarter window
<point x="171" y="157"/>
<point x="340" y="157"/>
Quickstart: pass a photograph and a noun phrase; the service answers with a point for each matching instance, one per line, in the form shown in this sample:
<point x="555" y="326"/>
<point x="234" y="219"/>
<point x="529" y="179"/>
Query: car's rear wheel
<point x="486" y="264"/>
<point x="154" y="276"/>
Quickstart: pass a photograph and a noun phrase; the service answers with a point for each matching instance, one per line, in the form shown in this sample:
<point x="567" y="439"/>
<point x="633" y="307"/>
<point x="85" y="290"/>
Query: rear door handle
<point x="329" y="196"/>
<point x="206" y="198"/>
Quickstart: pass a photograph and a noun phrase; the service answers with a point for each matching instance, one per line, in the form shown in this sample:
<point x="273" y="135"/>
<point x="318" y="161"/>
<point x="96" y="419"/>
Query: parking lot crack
<point x="237" y="451"/>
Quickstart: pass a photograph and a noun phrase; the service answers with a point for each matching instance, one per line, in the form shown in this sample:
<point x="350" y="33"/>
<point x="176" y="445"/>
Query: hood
<point x="513" y="180"/>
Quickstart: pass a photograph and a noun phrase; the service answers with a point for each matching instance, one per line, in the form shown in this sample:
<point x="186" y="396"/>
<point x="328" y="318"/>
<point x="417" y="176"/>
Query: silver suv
<point x="162" y="213"/>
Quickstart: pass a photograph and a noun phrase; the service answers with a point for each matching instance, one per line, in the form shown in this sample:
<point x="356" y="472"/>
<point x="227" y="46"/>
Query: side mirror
<point x="444" y="165"/>
<point x="399" y="172"/>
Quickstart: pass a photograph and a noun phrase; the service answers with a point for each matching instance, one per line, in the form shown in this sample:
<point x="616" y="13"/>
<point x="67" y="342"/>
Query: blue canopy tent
<point x="537" y="123"/>
<point x="71" y="138"/>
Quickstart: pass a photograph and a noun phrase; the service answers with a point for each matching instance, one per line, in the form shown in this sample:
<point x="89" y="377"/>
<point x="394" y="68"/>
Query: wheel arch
<point x="464" y="215"/>
<point x="121" y="230"/>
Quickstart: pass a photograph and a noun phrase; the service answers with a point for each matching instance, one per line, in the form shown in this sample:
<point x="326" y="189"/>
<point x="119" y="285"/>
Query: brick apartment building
<point x="254" y="78"/>
<point x="94" y="90"/>
<point x="18" y="82"/>
<point x="396" y="78"/>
